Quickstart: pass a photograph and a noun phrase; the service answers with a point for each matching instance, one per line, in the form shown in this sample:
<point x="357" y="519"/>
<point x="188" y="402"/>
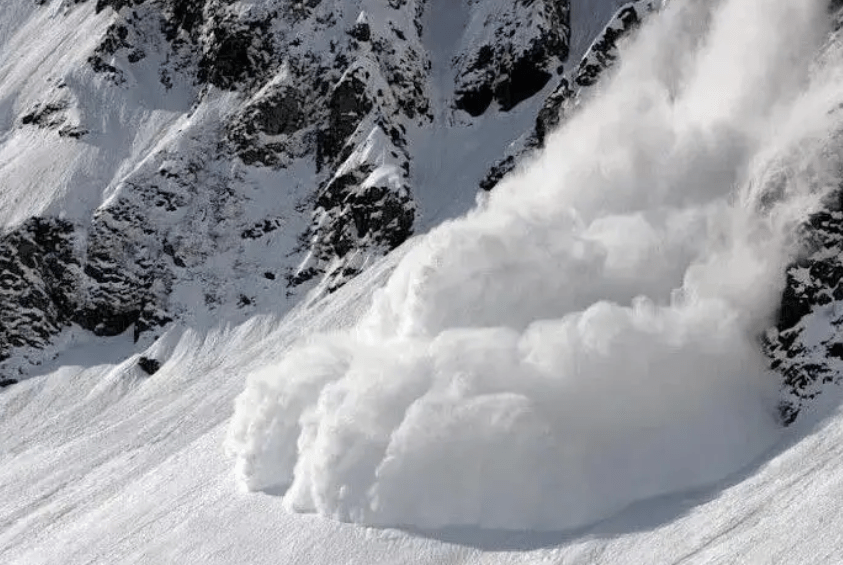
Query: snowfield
<point x="569" y="373"/>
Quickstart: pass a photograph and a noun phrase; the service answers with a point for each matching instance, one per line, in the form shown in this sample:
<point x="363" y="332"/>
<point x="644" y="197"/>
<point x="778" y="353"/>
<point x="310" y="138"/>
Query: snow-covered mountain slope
<point x="579" y="370"/>
<point x="202" y="160"/>
<point x="101" y="463"/>
<point x="601" y="311"/>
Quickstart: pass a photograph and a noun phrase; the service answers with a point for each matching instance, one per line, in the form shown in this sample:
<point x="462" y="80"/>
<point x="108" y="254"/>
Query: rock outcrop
<point x="518" y="47"/>
<point x="572" y="88"/>
<point x="284" y="161"/>
<point x="806" y="346"/>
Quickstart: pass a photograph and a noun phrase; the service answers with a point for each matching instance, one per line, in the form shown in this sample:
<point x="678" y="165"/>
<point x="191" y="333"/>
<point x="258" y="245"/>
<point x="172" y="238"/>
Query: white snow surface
<point x="588" y="336"/>
<point x="515" y="387"/>
<point x="101" y="464"/>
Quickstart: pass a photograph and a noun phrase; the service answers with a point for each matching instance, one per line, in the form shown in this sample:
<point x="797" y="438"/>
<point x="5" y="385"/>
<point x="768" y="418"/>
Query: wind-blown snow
<point x="588" y="336"/>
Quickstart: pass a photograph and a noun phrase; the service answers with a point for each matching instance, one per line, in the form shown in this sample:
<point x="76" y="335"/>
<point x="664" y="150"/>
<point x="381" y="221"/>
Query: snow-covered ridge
<point x="216" y="160"/>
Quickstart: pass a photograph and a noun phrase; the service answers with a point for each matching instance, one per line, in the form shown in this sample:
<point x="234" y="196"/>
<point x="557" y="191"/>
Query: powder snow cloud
<point x="588" y="336"/>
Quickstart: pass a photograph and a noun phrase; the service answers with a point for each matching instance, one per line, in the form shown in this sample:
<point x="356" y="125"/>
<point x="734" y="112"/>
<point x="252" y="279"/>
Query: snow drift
<point x="588" y="336"/>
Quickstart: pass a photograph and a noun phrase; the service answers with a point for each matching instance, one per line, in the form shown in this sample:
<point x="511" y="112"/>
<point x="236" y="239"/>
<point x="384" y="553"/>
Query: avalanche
<point x="589" y="335"/>
<point x="578" y="353"/>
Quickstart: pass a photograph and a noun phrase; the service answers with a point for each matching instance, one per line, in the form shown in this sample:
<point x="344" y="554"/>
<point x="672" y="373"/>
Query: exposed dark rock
<point x="114" y="39"/>
<point x="361" y="31"/>
<point x="280" y="114"/>
<point x="352" y="220"/>
<point x="151" y="318"/>
<point x="120" y="271"/>
<point x="603" y="52"/>
<point x="600" y="57"/>
<point x="526" y="77"/>
<point x="99" y="65"/>
<point x="148" y="365"/>
<point x="261" y="229"/>
<point x="550" y="114"/>
<point x="835" y="350"/>
<point x="284" y="114"/>
<point x="499" y="170"/>
<point x="74" y="132"/>
<point x="183" y="15"/>
<point x="524" y="45"/>
<point x="7" y="382"/>
<point x="348" y="105"/>
<point x="47" y="115"/>
<point x="53" y="115"/>
<point x="38" y="275"/>
<point x="237" y="53"/>
<point x="116" y="5"/>
<point x="813" y="285"/>
<point x="476" y="100"/>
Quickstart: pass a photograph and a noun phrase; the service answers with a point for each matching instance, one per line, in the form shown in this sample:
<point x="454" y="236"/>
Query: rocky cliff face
<point x="572" y="88"/>
<point x="37" y="270"/>
<point x="519" y="46"/>
<point x="806" y="345"/>
<point x="244" y="153"/>
<point x="190" y="160"/>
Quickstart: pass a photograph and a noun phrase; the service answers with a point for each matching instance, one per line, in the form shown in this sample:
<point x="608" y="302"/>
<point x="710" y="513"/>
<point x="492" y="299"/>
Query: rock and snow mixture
<point x="191" y="160"/>
<point x="173" y="160"/>
<point x="593" y="333"/>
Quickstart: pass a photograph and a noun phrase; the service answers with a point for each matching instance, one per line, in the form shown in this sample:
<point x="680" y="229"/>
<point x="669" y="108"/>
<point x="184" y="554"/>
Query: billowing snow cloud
<point x="589" y="335"/>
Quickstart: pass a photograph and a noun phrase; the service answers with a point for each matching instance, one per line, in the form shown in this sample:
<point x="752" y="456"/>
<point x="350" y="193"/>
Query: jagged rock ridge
<point x="573" y="88"/>
<point x="246" y="152"/>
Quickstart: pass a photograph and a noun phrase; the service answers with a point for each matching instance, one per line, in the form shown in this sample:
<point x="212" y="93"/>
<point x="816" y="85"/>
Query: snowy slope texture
<point x="589" y="335"/>
<point x="202" y="160"/>
<point x="100" y="463"/>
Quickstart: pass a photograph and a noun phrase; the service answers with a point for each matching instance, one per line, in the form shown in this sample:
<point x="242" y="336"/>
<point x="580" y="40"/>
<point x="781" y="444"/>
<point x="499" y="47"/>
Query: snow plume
<point x="589" y="335"/>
